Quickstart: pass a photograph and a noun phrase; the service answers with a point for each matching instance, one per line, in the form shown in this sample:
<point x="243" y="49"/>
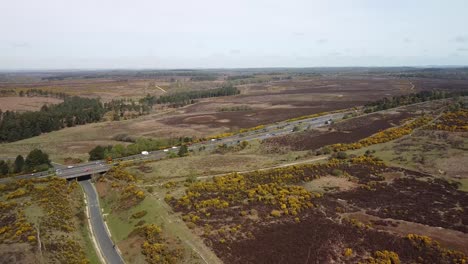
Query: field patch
<point x="22" y="104"/>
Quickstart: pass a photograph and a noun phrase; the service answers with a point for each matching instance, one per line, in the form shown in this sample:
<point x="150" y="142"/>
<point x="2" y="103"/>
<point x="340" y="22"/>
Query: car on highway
<point x="69" y="167"/>
<point x="174" y="147"/>
<point x="145" y="153"/>
<point x="166" y="150"/>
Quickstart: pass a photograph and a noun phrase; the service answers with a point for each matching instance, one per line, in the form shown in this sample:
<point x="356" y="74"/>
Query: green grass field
<point x="425" y="151"/>
<point x="121" y="225"/>
<point x="205" y="163"/>
<point x="89" y="247"/>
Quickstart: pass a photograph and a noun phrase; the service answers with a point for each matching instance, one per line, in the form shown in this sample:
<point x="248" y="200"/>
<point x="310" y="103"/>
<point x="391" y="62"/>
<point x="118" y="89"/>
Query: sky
<point x="142" y="34"/>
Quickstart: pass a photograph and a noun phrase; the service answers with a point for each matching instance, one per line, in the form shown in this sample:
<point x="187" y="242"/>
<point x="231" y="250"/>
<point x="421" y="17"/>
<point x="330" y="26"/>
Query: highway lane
<point x="106" y="246"/>
<point x="277" y="129"/>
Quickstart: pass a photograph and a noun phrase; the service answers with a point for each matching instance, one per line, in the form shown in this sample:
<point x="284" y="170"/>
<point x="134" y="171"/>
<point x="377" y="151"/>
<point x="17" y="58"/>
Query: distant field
<point x="110" y="88"/>
<point x="280" y="100"/>
<point x="26" y="103"/>
<point x="267" y="102"/>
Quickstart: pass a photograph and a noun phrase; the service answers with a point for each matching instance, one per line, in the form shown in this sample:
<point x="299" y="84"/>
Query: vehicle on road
<point x="145" y="153"/>
<point x="174" y="147"/>
<point x="166" y="150"/>
<point x="69" y="167"/>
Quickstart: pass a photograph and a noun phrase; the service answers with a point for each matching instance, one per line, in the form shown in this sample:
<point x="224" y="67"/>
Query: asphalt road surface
<point x="277" y="129"/>
<point x="105" y="243"/>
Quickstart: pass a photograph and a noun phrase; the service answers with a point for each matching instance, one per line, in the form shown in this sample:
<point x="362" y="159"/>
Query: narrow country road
<point x="105" y="244"/>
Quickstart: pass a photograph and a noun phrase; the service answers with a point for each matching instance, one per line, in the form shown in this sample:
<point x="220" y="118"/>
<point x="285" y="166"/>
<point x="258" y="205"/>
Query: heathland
<point x="386" y="183"/>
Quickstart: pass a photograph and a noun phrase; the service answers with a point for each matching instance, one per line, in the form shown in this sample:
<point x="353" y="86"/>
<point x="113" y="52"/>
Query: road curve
<point x="106" y="246"/>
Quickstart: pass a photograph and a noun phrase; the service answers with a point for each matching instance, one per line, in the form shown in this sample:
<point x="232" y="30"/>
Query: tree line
<point x="31" y="93"/>
<point x="120" y="107"/>
<point x="36" y="160"/>
<point x="435" y="73"/>
<point x="423" y="96"/>
<point x="184" y="98"/>
<point x="42" y="93"/>
<point x="73" y="111"/>
<point x="140" y="144"/>
<point x="7" y="92"/>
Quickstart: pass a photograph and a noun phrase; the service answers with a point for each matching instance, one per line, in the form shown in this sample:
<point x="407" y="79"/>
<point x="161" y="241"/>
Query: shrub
<point x="140" y="223"/>
<point x="275" y="213"/>
<point x="384" y="256"/>
<point x="348" y="252"/>
<point x="336" y="172"/>
<point x="139" y="214"/>
<point x="342" y="155"/>
<point x="326" y="150"/>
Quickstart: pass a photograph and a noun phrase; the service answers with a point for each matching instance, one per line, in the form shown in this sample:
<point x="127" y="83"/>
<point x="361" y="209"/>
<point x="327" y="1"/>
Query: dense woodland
<point x="73" y="111"/>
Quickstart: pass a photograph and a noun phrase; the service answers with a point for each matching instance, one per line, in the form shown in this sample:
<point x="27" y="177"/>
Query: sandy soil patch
<point x="330" y="183"/>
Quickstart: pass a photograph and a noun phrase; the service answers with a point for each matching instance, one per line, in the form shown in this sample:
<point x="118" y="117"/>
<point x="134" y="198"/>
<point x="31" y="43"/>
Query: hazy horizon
<point x="85" y="35"/>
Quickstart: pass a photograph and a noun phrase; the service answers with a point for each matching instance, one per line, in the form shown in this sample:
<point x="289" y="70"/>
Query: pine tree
<point x="19" y="164"/>
<point x="3" y="168"/>
<point x="97" y="153"/>
<point x="183" y="151"/>
<point x="37" y="158"/>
